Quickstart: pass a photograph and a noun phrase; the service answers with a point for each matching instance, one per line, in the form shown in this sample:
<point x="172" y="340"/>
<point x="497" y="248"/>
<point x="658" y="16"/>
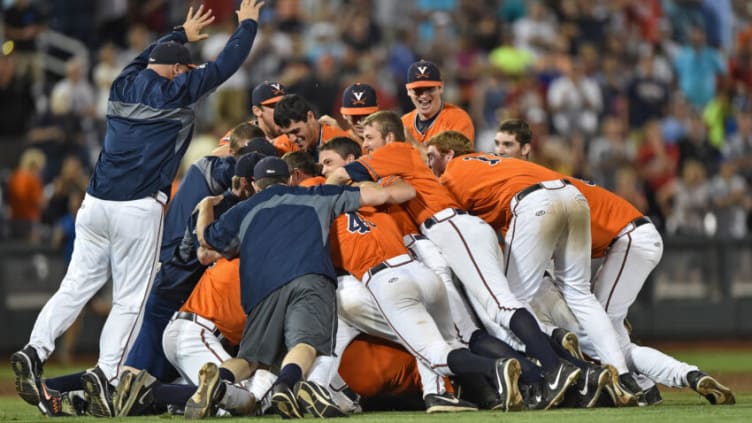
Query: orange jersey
<point x="450" y="118"/>
<point x="403" y="160"/>
<point x="283" y="145"/>
<point x="403" y="220"/>
<point x="312" y="181"/>
<point x="373" y="366"/>
<point x="360" y="240"/>
<point x="609" y="214"/>
<point x="485" y="184"/>
<point x="217" y="298"/>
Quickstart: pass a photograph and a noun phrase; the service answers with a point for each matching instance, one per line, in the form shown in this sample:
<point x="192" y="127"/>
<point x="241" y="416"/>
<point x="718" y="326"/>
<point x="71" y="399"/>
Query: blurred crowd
<point x="651" y="99"/>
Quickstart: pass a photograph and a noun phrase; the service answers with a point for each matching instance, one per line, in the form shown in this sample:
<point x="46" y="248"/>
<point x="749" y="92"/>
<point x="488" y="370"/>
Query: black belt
<point x="378" y="268"/>
<point x="187" y="315"/>
<point x="535" y="187"/>
<point x="431" y="221"/>
<point x="636" y="223"/>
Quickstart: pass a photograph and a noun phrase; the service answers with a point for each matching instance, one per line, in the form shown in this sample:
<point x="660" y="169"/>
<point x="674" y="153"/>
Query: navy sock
<point x="289" y="375"/>
<point x="563" y="353"/>
<point x="524" y="325"/>
<point x="65" y="383"/>
<point x="462" y="362"/>
<point x="484" y="344"/>
<point x="169" y="393"/>
<point x="227" y="375"/>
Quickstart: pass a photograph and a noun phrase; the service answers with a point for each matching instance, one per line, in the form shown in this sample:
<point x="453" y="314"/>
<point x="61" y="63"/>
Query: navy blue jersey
<point x="150" y="119"/>
<point x="207" y="176"/>
<point x="280" y="234"/>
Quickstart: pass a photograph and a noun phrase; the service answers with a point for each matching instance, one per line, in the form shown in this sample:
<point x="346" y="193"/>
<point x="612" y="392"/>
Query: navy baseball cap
<point x="423" y="74"/>
<point x="246" y="163"/>
<point x="259" y="145"/>
<point x="170" y="53"/>
<point x="271" y="166"/>
<point x="267" y="94"/>
<point x="359" y="99"/>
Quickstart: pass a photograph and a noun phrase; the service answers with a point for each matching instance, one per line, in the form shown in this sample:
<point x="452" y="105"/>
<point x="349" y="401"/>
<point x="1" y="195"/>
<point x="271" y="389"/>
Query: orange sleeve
<point x="329" y="132"/>
<point x="283" y="145"/>
<point x="312" y="181"/>
<point x="217" y="298"/>
<point x="386" y="161"/>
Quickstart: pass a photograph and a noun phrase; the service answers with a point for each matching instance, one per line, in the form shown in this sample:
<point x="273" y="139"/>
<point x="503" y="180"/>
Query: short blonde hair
<point x="32" y="158"/>
<point x="451" y="140"/>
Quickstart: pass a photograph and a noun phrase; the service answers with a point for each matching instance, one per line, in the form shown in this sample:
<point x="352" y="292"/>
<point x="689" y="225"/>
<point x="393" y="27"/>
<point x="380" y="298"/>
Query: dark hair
<point x="291" y="108"/>
<point x="263" y="183"/>
<point x="343" y="146"/>
<point x="519" y="128"/>
<point x="387" y="121"/>
<point x="302" y="160"/>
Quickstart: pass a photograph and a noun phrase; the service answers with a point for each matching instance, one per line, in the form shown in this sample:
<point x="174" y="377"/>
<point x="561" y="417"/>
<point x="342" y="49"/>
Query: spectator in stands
<point x="72" y="179"/>
<point x="535" y="32"/>
<point x="696" y="145"/>
<point x="26" y="195"/>
<point x="575" y="100"/>
<point x="648" y="95"/>
<point x="609" y="152"/>
<point x="738" y="147"/>
<point x="657" y="164"/>
<point x="691" y="201"/>
<point x="697" y="67"/>
<point x="23" y="24"/>
<point x="730" y="198"/>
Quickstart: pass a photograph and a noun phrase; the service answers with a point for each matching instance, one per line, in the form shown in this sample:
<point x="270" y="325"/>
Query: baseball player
<point x="630" y="247"/>
<point x="230" y="146"/>
<point x="541" y="215"/>
<point x="119" y="228"/>
<point x="470" y="246"/>
<point x="304" y="171"/>
<point x="358" y="101"/>
<point x="289" y="307"/>
<point x="432" y="115"/>
<point x="295" y="118"/>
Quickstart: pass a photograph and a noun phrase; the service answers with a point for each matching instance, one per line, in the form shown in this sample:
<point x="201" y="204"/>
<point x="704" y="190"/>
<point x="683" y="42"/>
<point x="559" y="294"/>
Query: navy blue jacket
<point x="150" y="119"/>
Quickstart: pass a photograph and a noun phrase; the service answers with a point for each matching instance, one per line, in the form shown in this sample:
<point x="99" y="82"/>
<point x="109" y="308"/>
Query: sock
<point x="524" y="325"/>
<point x="168" y="393"/>
<point x="227" y="375"/>
<point x="65" y="383"/>
<point x="289" y="375"/>
<point x="462" y="362"/>
<point x="484" y="344"/>
<point x="567" y="356"/>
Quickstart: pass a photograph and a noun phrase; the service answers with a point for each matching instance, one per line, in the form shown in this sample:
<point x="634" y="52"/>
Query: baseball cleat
<point x="710" y="388"/>
<point x="98" y="393"/>
<point x="568" y="340"/>
<point x="139" y="395"/>
<point x="557" y="381"/>
<point x="653" y="396"/>
<point x="623" y="389"/>
<point x="316" y="400"/>
<point x="507" y="377"/>
<point x="205" y="400"/>
<point x="28" y="369"/>
<point x="586" y="392"/>
<point x="447" y="403"/>
<point x="284" y="402"/>
<point x="122" y="390"/>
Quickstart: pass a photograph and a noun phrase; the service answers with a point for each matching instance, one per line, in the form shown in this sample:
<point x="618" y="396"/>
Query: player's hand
<point x="249" y="9"/>
<point x="209" y="201"/>
<point x="328" y="120"/>
<point x="194" y="23"/>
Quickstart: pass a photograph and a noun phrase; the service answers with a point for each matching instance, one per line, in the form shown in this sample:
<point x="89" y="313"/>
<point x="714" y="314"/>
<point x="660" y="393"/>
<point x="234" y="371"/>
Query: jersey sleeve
<point x="379" y="164"/>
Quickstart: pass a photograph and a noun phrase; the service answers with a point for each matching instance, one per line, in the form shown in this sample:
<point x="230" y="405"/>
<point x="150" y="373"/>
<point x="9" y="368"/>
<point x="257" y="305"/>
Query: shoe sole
<point x="316" y="402"/>
<point x="285" y="406"/>
<point x="200" y="403"/>
<point x="120" y="397"/>
<point x="135" y="384"/>
<point x="98" y="402"/>
<point x="602" y="381"/>
<point x="559" y="397"/>
<point x="620" y="397"/>
<point x="449" y="409"/>
<point x="570" y="343"/>
<point x="714" y="392"/>
<point x="25" y="381"/>
<point x="513" y="397"/>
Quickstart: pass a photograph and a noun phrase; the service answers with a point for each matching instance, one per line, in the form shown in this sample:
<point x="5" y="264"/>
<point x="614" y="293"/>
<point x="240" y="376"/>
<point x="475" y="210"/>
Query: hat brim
<point x="270" y="101"/>
<point x="423" y="84"/>
<point x="358" y="110"/>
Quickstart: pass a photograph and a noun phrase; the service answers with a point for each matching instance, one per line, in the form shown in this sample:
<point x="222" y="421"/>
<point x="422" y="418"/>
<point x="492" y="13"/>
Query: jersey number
<point x="485" y="159"/>
<point x="356" y="224"/>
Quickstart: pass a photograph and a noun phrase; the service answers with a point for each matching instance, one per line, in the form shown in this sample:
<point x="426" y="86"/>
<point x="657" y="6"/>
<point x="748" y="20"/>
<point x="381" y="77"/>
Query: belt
<point x="535" y="187"/>
<point x="631" y="226"/>
<point x="201" y="321"/>
<point x="398" y="261"/>
<point x="434" y="220"/>
<point x="161" y="197"/>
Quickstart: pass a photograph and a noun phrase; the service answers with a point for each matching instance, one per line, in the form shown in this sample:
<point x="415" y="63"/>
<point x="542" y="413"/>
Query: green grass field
<point x="733" y="368"/>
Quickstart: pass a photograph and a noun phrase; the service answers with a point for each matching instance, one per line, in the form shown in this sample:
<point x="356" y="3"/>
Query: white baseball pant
<point x="114" y="239"/>
<point x="357" y="308"/>
<point x="554" y="221"/>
